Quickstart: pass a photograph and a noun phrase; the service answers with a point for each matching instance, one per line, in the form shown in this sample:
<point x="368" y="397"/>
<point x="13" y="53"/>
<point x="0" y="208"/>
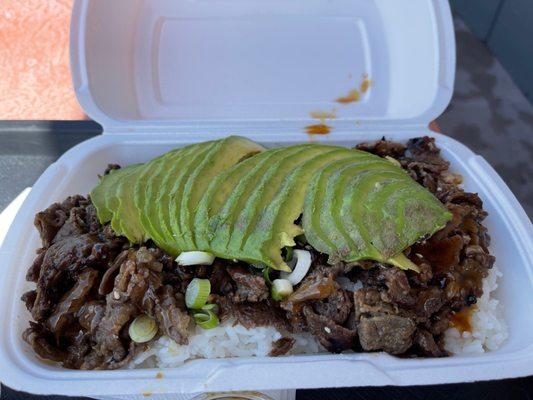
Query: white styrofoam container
<point x="158" y="74"/>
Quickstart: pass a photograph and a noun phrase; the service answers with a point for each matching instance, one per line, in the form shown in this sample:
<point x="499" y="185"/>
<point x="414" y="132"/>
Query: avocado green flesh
<point x="222" y="223"/>
<point x="275" y="227"/>
<point x="143" y="190"/>
<point x="369" y="221"/>
<point x="410" y="213"/>
<point x="170" y="200"/>
<point x="222" y="197"/>
<point x="225" y="154"/>
<point x="155" y="226"/>
<point x="100" y="195"/>
<point x="314" y="203"/>
<point x="218" y="191"/>
<point x="125" y="221"/>
<point x="340" y="181"/>
<point x="328" y="218"/>
<point x="386" y="238"/>
<point x="264" y="192"/>
<point x="358" y="192"/>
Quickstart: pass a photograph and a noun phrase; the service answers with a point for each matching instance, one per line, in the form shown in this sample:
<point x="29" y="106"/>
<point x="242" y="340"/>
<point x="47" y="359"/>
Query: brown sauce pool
<point x="462" y="320"/>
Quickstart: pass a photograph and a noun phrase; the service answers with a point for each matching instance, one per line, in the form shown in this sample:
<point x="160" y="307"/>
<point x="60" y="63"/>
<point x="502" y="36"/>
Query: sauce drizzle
<point x="462" y="320"/>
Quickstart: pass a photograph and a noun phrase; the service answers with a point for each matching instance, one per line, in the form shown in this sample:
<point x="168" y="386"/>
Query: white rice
<point x="226" y="340"/>
<point x="489" y="331"/>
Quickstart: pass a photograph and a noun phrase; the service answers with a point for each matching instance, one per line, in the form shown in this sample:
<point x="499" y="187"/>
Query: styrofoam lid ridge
<point x="147" y="64"/>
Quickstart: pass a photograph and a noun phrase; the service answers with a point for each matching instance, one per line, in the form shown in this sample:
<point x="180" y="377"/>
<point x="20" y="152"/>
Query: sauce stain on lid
<point x="318" y="129"/>
<point x="352" y="96"/>
<point x="355" y="95"/>
<point x="365" y="84"/>
<point x="159" y="375"/>
<point x="321" y="128"/>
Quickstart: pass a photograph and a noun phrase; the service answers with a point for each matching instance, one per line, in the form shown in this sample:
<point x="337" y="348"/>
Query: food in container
<point x="288" y="250"/>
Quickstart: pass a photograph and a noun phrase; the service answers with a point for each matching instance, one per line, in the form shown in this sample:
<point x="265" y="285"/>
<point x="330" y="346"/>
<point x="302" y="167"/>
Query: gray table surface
<point x="488" y="114"/>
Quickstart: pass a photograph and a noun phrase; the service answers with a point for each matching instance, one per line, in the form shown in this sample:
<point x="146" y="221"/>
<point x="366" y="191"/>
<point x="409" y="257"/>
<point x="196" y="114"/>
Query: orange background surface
<point x="35" y="80"/>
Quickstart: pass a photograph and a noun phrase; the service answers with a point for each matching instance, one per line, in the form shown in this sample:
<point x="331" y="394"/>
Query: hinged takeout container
<point x="158" y="74"/>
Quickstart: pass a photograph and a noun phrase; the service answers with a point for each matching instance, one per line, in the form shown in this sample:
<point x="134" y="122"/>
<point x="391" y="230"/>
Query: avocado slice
<point x="376" y="227"/>
<point x="224" y="189"/>
<point x="147" y="188"/>
<point x="222" y="224"/>
<point x="329" y="219"/>
<point x="102" y="193"/>
<point x="157" y="218"/>
<point x="265" y="190"/>
<point x="275" y="227"/>
<point x="408" y="213"/>
<point x="126" y="220"/>
<point x="225" y="154"/>
<point x="355" y="204"/>
<point x="317" y="223"/>
<point x="169" y="195"/>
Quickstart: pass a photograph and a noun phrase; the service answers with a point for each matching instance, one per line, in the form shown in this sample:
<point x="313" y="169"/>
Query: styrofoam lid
<point x="147" y="65"/>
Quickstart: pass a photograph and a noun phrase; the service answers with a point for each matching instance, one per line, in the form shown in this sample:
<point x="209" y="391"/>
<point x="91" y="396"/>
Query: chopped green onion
<point x="195" y="258"/>
<point x="401" y="261"/>
<point x="142" y="329"/>
<point x="303" y="263"/>
<point x="211" y="307"/>
<point x="288" y="254"/>
<point x="206" y="319"/>
<point x="281" y="288"/>
<point x="197" y="293"/>
<point x="266" y="276"/>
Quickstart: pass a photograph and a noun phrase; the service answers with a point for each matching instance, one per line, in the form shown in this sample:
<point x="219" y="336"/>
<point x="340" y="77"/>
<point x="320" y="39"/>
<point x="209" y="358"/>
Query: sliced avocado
<point x="315" y="220"/>
<point x="114" y="196"/>
<point x="382" y="243"/>
<point x="222" y="224"/>
<point x="225" y="189"/>
<point x="101" y="194"/>
<point x="170" y="194"/>
<point x="146" y="190"/>
<point x="354" y="206"/>
<point x="126" y="219"/>
<point x="225" y="154"/>
<point x="329" y="217"/>
<point x="157" y="219"/>
<point x="264" y="191"/>
<point x="407" y="212"/>
<point x="275" y="227"/>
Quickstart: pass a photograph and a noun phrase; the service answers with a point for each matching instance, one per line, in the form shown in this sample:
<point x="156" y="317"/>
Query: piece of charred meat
<point x="91" y="284"/>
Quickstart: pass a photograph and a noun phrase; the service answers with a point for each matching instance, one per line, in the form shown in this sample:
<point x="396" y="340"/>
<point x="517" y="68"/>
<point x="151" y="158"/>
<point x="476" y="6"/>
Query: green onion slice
<point x="211" y="307"/>
<point x="281" y="288"/>
<point x="288" y="254"/>
<point x="197" y="293"/>
<point x="206" y="319"/>
<point x="142" y="329"/>
<point x="266" y="276"/>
